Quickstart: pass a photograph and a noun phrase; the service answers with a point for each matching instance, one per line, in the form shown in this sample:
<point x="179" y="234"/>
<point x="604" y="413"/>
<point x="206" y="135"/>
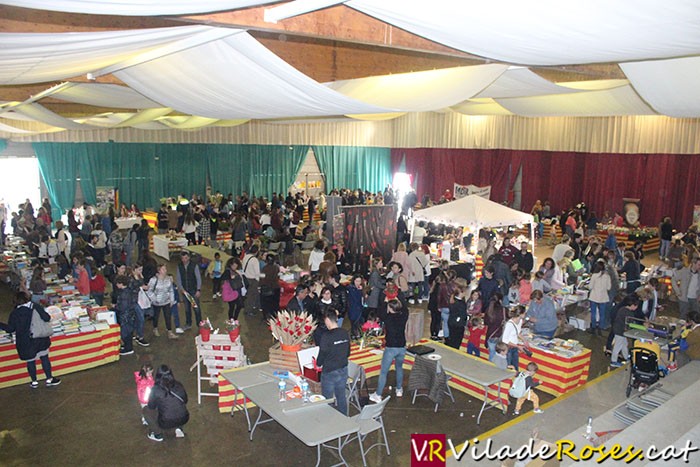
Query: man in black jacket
<point x="333" y="353"/>
<point x="525" y="260"/>
<point x="301" y="301"/>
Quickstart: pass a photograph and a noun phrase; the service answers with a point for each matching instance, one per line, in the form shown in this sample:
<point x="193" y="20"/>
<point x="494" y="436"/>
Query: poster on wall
<point x="460" y="191"/>
<point x="631" y="211"/>
<point x="106" y="197"/>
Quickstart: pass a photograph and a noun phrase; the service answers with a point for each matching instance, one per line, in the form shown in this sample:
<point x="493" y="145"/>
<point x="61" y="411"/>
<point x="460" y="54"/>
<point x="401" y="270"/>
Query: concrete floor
<point x="93" y="417"/>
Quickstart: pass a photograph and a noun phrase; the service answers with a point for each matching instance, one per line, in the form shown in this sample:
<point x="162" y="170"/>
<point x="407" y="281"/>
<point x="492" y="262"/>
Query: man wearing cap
<point x="189" y="282"/>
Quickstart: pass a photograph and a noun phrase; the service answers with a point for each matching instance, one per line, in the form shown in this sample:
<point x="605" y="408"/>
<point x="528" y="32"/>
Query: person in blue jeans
<point x="333" y="354"/>
<point x="137" y="282"/>
<point x="126" y="315"/>
<point x="395" y="315"/>
<point x="189" y="282"/>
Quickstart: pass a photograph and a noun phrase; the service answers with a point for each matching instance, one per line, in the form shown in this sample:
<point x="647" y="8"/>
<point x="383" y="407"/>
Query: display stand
<point x="217" y="354"/>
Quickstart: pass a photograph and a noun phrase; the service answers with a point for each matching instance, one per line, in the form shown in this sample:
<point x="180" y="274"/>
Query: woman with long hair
<point x="162" y="295"/>
<point x="167" y="406"/>
<point x="233" y="277"/>
<point x="136" y="283"/>
<point x="598" y="297"/>
<point x="189" y="228"/>
<point x="30" y="348"/>
<point x="377" y="283"/>
<point x="494" y="317"/>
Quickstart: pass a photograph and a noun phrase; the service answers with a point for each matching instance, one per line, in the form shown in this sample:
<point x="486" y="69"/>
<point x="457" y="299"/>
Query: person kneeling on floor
<point x="167" y="406"/>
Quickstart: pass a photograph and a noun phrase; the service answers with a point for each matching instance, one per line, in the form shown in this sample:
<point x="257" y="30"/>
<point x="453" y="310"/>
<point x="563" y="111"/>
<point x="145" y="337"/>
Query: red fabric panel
<point x="667" y="184"/>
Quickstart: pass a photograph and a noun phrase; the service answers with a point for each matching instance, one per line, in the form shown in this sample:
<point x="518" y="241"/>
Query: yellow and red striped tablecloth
<point x="557" y="373"/>
<point x="372" y="364"/>
<point x="68" y="354"/>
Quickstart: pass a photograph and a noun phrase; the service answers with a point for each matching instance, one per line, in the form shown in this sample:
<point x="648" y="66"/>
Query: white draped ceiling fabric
<point x="227" y="78"/>
<point x="549" y="32"/>
<point x="136" y="7"/>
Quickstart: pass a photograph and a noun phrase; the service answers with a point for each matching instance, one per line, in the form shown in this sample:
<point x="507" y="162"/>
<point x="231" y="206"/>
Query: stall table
<point x="126" y="223"/>
<point x="558" y="374"/>
<point x="370" y="360"/>
<point x="68" y="354"/>
<point x="163" y="246"/>
<point x="474" y="372"/>
<point x="208" y="253"/>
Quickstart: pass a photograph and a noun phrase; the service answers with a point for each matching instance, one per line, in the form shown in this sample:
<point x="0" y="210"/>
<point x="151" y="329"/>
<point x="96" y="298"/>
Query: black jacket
<point x="19" y="323"/>
<point x="171" y="405"/>
<point x="458" y="314"/>
<point x="395" y="324"/>
<point x="334" y="350"/>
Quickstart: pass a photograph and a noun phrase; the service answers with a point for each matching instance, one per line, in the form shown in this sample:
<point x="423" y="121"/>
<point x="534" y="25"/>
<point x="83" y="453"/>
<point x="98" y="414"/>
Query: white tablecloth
<point x="162" y="245"/>
<point x="127" y="222"/>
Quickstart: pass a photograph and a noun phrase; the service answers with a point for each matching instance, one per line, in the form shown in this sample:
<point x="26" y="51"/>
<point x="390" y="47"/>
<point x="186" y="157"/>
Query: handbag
<point x="228" y="294"/>
<point x="39" y="328"/>
<point x="143" y="301"/>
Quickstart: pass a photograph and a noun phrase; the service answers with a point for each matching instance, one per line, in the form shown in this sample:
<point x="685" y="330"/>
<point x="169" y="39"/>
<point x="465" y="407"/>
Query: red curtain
<point x="666" y="184"/>
<point x="437" y="170"/>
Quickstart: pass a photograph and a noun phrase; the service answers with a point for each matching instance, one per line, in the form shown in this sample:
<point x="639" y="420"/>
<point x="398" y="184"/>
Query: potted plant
<point x="233" y="327"/>
<point x="205" y="329"/>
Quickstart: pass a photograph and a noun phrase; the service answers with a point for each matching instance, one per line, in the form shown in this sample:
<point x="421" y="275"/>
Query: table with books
<point x="563" y="364"/>
<point x="85" y="335"/>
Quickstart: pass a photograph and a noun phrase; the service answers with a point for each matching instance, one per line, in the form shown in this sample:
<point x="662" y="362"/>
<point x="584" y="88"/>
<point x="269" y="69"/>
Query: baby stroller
<point x="644" y="369"/>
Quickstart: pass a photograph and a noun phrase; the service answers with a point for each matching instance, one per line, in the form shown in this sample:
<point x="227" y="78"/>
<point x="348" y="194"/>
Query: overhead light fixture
<point x="296" y="8"/>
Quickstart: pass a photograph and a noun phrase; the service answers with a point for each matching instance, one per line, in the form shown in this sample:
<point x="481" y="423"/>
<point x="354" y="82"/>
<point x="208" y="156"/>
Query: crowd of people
<point x="93" y="253"/>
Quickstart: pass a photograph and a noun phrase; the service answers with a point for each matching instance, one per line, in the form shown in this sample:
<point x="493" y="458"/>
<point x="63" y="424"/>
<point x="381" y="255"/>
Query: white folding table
<point x="474" y="370"/>
<point x="314" y="424"/>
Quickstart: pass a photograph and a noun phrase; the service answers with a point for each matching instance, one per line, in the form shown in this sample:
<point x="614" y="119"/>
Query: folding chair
<point x="370" y="420"/>
<point x="356" y="379"/>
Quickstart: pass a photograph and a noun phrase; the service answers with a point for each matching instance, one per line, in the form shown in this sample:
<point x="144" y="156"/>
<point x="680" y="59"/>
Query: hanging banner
<point x="106" y="197"/>
<point x="460" y="191"/>
<point x="631" y="211"/>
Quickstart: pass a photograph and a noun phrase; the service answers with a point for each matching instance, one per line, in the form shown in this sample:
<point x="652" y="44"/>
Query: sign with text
<point x="460" y="191"/>
<point x="428" y="450"/>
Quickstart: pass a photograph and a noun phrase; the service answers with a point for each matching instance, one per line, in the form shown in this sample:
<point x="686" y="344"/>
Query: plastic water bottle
<point x="282" y="385"/>
<point x="589" y="427"/>
<point x="304" y="390"/>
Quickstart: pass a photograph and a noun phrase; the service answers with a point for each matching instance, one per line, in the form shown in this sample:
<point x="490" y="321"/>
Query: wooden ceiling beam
<point x="338" y="23"/>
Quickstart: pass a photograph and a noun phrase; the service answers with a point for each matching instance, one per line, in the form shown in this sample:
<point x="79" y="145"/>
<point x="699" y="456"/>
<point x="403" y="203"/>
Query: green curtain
<point x="368" y="168"/>
<point x="129" y="167"/>
<point x="257" y="169"/>
<point x="3" y="145"/>
<point x="182" y="169"/>
<point x="58" y="164"/>
<point x="146" y="172"/>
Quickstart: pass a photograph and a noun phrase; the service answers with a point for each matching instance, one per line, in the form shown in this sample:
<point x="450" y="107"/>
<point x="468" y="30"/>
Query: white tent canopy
<point x="474" y="211"/>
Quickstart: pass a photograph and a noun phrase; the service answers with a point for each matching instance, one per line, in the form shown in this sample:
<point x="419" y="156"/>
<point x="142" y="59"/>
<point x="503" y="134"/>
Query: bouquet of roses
<point x="292" y="328"/>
